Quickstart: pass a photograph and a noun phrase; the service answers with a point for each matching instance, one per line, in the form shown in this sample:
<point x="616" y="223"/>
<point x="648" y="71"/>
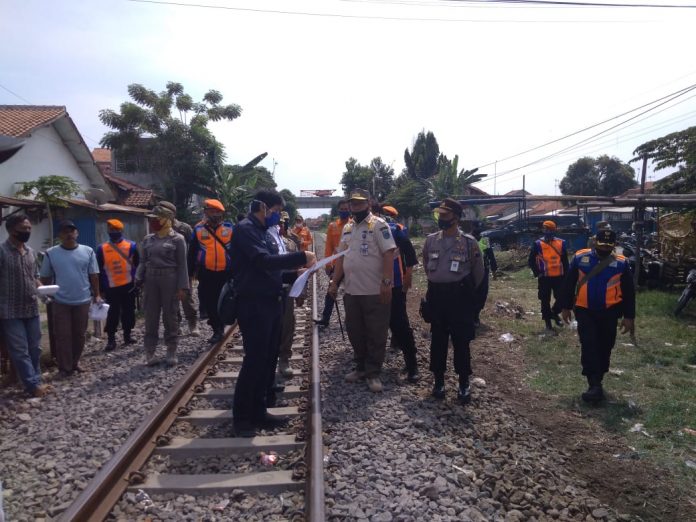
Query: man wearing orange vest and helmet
<point x="303" y="232"/>
<point x="548" y="260"/>
<point x="209" y="260"/>
<point x="117" y="259"/>
<point x="600" y="286"/>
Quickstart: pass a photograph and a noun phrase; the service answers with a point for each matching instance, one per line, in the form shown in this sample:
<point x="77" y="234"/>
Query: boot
<point x="284" y="368"/>
<point x="413" y="376"/>
<point x="110" y="343"/>
<point x="548" y="324"/>
<point x="464" y="392"/>
<point x="172" y="360"/>
<point x="557" y="319"/>
<point x="439" y="387"/>
<point x="150" y="359"/>
<point x="216" y="337"/>
<point x="127" y="339"/>
<point x="594" y="393"/>
<point x="193" y="329"/>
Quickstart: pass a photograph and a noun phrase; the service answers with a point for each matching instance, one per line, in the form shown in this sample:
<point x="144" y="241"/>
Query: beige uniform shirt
<point x="451" y="259"/>
<point x="362" y="266"/>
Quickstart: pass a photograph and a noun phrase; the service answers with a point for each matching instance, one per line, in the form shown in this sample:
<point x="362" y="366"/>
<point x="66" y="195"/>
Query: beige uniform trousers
<point x="160" y="298"/>
<point x="367" y="322"/>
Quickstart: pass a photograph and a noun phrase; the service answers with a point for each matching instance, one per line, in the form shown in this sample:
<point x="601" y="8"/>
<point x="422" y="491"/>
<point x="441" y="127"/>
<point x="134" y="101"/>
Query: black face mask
<point x="602" y="253"/>
<point x="360" y="216"/>
<point x="444" y="224"/>
<point x="22" y="237"/>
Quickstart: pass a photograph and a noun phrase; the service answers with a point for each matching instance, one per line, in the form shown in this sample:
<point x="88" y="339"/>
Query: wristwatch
<point x="386" y="281"/>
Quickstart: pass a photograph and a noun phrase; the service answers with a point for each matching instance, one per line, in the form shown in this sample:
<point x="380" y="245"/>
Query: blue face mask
<point x="273" y="219"/>
<point x="115" y="237"/>
<point x="344" y="214"/>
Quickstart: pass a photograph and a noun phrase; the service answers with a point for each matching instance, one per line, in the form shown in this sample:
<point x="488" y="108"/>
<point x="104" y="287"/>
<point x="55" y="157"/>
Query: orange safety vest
<point x="212" y="255"/>
<point x="548" y="258"/>
<point x="118" y="271"/>
<point x="305" y="237"/>
<point x="333" y="236"/>
<point x="604" y="289"/>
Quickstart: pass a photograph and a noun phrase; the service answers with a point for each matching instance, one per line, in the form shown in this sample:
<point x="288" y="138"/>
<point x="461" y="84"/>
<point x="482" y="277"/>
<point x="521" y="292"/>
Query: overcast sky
<point x="360" y="80"/>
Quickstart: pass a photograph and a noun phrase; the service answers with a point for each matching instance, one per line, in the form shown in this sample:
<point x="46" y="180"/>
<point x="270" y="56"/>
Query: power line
<point x="15" y="94"/>
<point x="578" y="4"/>
<point x="375" y="17"/>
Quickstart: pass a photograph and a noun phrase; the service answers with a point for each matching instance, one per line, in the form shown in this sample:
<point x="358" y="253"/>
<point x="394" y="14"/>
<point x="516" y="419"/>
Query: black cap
<point x="450" y="205"/>
<point x="66" y="223"/>
<point x="605" y="238"/>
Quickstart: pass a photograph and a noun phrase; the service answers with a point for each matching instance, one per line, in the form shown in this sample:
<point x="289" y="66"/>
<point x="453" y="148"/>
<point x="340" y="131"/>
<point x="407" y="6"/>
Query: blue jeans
<point x="23" y="340"/>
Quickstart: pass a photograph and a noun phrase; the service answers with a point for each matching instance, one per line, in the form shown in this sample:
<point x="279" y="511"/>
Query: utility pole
<point x="639" y="223"/>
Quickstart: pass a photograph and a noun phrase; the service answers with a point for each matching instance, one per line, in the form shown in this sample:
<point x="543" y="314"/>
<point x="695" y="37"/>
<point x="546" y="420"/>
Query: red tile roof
<point x="102" y="155"/>
<point x="139" y="198"/>
<point x="20" y="120"/>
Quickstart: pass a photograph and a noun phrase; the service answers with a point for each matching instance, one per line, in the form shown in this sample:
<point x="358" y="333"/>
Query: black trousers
<point x="453" y="317"/>
<point x="482" y="293"/>
<point x="121" y="301"/>
<point x="260" y="322"/>
<point x="597" y="332"/>
<point x="548" y="285"/>
<point x="328" y="308"/>
<point x="400" y="328"/>
<point x="209" y="286"/>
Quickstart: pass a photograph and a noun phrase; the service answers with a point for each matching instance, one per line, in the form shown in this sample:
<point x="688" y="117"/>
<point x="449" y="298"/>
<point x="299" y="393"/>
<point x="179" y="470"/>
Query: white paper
<point x="301" y="281"/>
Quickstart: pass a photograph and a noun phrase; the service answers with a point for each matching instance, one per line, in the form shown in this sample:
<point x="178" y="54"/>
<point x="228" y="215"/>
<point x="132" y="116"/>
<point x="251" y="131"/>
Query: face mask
<point x="155" y="225"/>
<point x="273" y="219"/>
<point x="22" y="237"/>
<point x="548" y="235"/>
<point x="602" y="252"/>
<point x="115" y="236"/>
<point x="215" y="219"/>
<point x="344" y="214"/>
<point x="443" y="224"/>
<point x="359" y="216"/>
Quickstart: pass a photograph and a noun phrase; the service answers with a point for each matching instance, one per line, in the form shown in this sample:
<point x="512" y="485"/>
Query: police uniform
<point x="367" y="318"/>
<point x="209" y="261"/>
<point x="599" y="302"/>
<point x="187" y="303"/>
<point x="454" y="268"/>
<point x="163" y="271"/>
<point x="548" y="260"/>
<point x="118" y="261"/>
<point x="258" y="279"/>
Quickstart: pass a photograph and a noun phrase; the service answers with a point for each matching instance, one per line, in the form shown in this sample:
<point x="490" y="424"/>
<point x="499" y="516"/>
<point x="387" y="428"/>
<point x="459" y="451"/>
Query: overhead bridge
<point x="317" y="201"/>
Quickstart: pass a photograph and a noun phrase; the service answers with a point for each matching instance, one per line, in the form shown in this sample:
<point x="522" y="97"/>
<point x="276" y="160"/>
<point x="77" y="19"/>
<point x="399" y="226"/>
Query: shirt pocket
<point x="433" y="260"/>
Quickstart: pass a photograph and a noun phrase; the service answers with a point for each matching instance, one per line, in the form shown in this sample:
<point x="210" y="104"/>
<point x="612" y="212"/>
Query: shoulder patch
<point x="385" y="233"/>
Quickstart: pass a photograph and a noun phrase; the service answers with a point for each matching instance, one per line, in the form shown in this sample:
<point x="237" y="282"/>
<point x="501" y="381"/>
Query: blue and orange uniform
<point x="548" y="260"/>
<point x="404" y="261"/>
<point x="118" y="259"/>
<point x="599" y="301"/>
<point x="209" y="261"/>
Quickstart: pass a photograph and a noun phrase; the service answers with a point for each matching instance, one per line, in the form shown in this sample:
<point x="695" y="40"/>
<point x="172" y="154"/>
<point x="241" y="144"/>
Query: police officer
<point x="404" y="261"/>
<point x="548" y="259"/>
<point x="303" y="233"/>
<point x="368" y="268"/>
<point x="118" y="260"/>
<point x="258" y="279"/>
<point x="600" y="284"/>
<point x="187" y="303"/>
<point x="454" y="267"/>
<point x="209" y="260"/>
<point x="164" y="274"/>
<point x="333" y="238"/>
<point x="490" y="266"/>
<point x="601" y="225"/>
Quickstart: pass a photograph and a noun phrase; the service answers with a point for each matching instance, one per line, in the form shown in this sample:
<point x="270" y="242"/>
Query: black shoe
<point x="202" y="314"/>
<point x="127" y="339"/>
<point x="413" y="376"/>
<point x="557" y="319"/>
<point x="215" y="338"/>
<point x="110" y="345"/>
<point x="548" y="324"/>
<point x="594" y="394"/>
<point x="477" y="322"/>
<point x="322" y="322"/>
<point x="270" y="423"/>
<point x="464" y="394"/>
<point x="439" y="388"/>
<point x="244" y="429"/>
<point x="278" y="388"/>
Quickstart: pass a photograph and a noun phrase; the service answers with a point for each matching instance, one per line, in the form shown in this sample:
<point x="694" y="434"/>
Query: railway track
<point x="201" y="402"/>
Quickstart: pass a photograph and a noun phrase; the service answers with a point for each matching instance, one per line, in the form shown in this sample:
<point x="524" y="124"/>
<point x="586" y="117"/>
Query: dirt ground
<point x="630" y="486"/>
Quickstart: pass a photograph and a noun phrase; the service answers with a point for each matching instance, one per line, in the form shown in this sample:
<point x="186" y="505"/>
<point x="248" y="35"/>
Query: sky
<point x="320" y="81"/>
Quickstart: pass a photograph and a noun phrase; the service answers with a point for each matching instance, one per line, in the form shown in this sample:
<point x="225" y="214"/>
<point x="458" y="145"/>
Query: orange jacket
<point x="305" y="237"/>
<point x="207" y="252"/>
<point x="115" y="270"/>
<point x="333" y="236"/>
<point x="549" y="259"/>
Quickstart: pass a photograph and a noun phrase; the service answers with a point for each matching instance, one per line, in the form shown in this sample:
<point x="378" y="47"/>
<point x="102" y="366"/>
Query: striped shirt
<point x="18" y="274"/>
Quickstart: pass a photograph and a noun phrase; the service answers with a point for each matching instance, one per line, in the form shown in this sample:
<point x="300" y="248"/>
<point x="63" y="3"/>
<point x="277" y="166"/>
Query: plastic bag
<point x="98" y="311"/>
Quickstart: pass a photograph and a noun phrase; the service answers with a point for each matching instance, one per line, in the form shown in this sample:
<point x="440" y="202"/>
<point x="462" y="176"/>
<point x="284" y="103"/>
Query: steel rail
<point x="314" y="497"/>
<point x="100" y="496"/>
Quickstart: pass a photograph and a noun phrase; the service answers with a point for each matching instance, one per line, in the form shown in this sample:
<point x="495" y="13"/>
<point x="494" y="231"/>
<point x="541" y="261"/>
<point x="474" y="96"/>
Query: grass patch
<point x="654" y="383"/>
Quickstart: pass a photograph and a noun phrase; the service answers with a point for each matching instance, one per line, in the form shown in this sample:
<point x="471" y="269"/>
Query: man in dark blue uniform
<point x="258" y="279"/>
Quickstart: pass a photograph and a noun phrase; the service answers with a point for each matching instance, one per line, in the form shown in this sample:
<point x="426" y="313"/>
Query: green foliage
<point x="377" y="177"/>
<point x="602" y="176"/>
<point x="410" y="197"/>
<point x="166" y="134"/>
<point x="422" y="161"/>
<point x="449" y="181"/>
<point x="677" y="149"/>
<point x="235" y="186"/>
<point x="52" y="190"/>
<point x="290" y="203"/>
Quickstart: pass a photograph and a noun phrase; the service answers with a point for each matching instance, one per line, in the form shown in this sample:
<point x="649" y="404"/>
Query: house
<point x="54" y="146"/>
<point x="127" y="193"/>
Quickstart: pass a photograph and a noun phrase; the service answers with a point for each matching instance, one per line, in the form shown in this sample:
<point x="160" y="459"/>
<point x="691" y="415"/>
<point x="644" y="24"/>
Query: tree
<point x="581" y="178"/>
<point x="615" y="176"/>
<point x="377" y="178"/>
<point x="52" y="190"/>
<point x="422" y="161"/>
<point x="355" y="176"/>
<point x="677" y="149"/>
<point x="235" y="186"/>
<point x="382" y="178"/>
<point x="290" y="203"/>
<point x="449" y="181"/>
<point x="167" y="134"/>
<point x="409" y="197"/>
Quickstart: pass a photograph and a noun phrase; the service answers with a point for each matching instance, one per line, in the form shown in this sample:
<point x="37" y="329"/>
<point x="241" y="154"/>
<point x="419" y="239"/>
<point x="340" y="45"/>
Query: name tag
<point x="454" y="266"/>
<point x="363" y="249"/>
